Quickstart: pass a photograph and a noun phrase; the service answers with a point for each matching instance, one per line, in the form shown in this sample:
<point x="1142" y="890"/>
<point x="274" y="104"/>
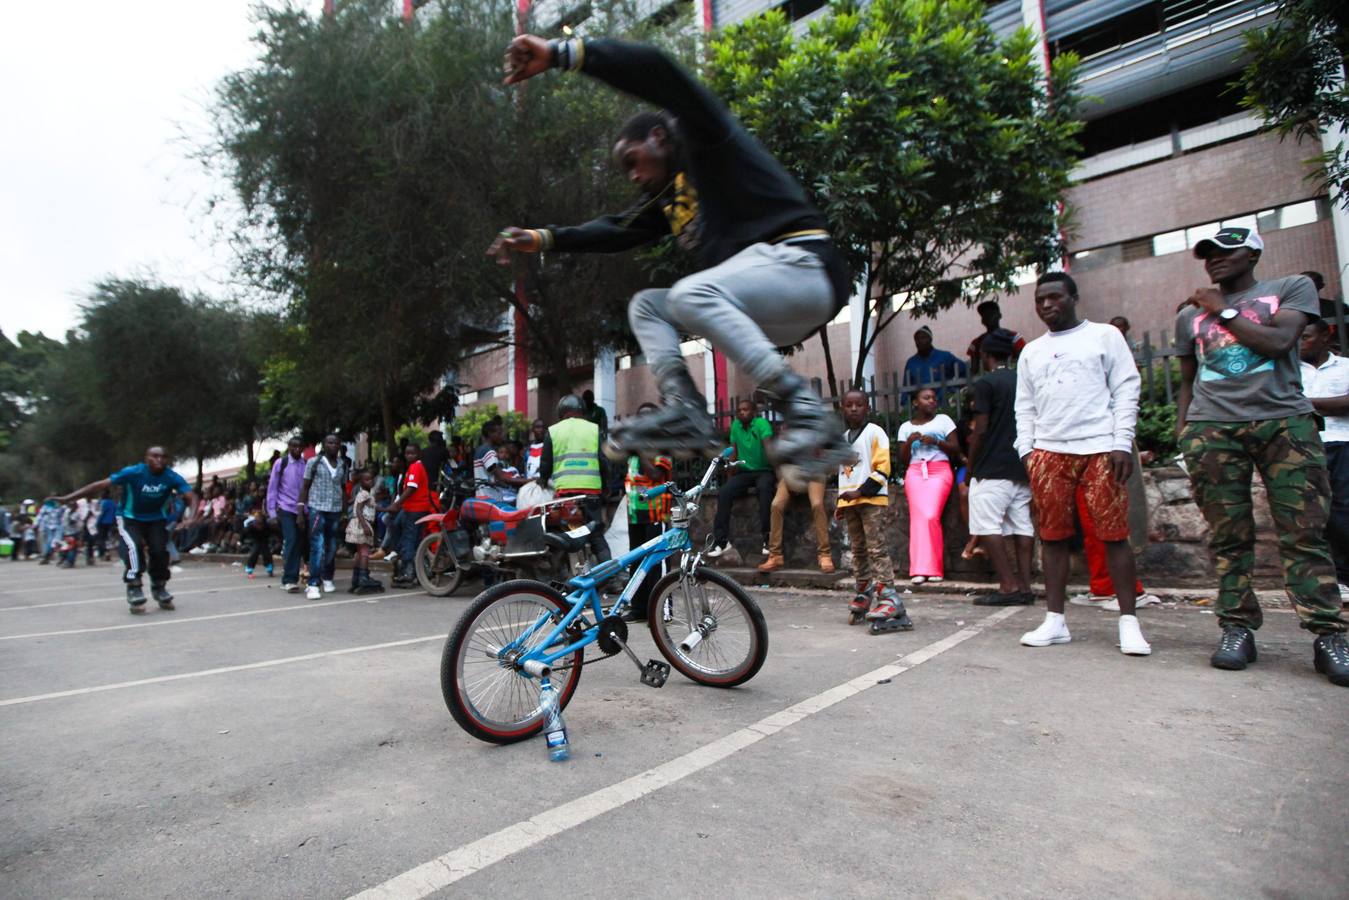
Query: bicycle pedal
<point x="655" y="673"/>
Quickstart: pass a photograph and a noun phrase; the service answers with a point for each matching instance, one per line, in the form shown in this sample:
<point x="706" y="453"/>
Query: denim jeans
<point x="409" y="536"/>
<point x="322" y="544"/>
<point x="292" y="549"/>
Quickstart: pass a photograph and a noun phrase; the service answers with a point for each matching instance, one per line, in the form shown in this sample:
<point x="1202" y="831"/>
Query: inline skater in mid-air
<point x="771" y="274"/>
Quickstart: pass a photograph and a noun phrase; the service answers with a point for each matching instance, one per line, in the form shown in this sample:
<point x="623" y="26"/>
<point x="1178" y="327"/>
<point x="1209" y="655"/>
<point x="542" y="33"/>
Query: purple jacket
<point x="283" y="488"/>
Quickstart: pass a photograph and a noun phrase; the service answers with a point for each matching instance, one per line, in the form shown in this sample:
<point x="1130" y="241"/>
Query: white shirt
<point x="1330" y="379"/>
<point x="1077" y="392"/>
<point x="939" y="426"/>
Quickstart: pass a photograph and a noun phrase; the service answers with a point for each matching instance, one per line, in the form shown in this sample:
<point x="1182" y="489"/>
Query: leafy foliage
<point x="469" y="425"/>
<point x="934" y="148"/>
<point x="1295" y="80"/>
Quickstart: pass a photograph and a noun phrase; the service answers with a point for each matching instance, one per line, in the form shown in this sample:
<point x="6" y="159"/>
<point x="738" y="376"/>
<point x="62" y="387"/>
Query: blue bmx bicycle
<point x="520" y="634"/>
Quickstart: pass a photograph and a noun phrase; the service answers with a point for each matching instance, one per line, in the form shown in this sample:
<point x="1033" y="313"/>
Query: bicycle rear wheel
<point x="723" y="624"/>
<point x="437" y="571"/>
<point x="488" y="698"/>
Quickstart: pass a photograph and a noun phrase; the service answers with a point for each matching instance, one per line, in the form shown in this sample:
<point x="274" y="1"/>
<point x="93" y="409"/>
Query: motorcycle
<point x="471" y="536"/>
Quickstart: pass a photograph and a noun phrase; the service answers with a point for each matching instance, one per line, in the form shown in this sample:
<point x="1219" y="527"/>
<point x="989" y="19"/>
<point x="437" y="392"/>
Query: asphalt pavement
<point x="255" y="744"/>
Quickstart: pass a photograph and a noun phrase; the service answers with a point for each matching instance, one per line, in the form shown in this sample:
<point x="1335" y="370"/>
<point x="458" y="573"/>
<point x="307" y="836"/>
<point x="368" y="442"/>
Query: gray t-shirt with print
<point x="1235" y="383"/>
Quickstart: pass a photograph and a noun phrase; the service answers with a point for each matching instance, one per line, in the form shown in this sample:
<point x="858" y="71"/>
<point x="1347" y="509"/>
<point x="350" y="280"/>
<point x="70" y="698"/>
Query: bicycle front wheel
<point x="489" y="698"/>
<point x="437" y="571"/>
<point x="708" y="628"/>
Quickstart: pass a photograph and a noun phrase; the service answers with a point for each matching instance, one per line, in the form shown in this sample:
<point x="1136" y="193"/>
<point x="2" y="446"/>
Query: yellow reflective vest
<point x="576" y="456"/>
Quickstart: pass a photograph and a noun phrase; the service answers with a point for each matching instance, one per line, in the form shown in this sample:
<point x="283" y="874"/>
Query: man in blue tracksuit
<point x="142" y="529"/>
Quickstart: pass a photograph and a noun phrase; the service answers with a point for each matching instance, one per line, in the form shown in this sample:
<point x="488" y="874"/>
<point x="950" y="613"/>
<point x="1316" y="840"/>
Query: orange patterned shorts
<point x="1054" y="481"/>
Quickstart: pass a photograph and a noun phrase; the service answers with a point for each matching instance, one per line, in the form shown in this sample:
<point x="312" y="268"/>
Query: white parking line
<point x="110" y="573"/>
<point x="473" y="857"/>
<point x="265" y="664"/>
<point x="122" y="597"/>
<point x="312" y="604"/>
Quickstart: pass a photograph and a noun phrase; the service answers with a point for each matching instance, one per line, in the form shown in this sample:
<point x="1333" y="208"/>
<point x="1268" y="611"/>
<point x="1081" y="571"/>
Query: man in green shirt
<point x="748" y="433"/>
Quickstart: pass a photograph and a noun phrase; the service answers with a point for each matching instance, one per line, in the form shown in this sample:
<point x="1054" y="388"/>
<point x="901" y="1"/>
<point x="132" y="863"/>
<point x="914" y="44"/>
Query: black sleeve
<point x="546" y="460"/>
<point x="644" y="223"/>
<point x="983" y="397"/>
<point x="870" y="488"/>
<point x="647" y="73"/>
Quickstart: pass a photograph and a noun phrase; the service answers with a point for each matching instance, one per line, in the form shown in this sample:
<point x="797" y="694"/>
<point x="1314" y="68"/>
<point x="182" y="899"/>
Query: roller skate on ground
<point x="682" y="427"/>
<point x="162" y="596"/>
<point x="810" y="445"/>
<point x="860" y="605"/>
<point x="888" y="613"/>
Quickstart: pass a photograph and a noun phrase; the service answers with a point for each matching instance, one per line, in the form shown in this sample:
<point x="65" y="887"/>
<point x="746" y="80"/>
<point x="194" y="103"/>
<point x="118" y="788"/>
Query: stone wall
<point x="1172" y="547"/>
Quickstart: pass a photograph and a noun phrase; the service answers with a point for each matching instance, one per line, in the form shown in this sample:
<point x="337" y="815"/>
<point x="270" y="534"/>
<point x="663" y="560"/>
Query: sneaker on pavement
<point x="329" y="587"/>
<point x="1093" y="600"/>
<point x="1236" y="648"/>
<point x="918" y="579"/>
<point x="290" y="588"/>
<point x="716" y="551"/>
<point x="198" y="551"/>
<point x="1331" y="658"/>
<point x="1131" y="641"/>
<point x="313" y="593"/>
<point x="934" y="579"/>
<point x="1142" y="600"/>
<point x="176" y="569"/>
<point x="248" y="570"/>
<point x="391" y="556"/>
<point x="269" y="572"/>
<point x="1053" y="630"/>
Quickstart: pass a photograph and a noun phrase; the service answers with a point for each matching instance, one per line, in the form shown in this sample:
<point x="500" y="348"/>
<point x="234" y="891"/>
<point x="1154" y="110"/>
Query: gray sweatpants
<point x="766" y="296"/>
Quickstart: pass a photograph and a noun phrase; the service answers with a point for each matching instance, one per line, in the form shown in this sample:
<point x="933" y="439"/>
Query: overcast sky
<point x="96" y="97"/>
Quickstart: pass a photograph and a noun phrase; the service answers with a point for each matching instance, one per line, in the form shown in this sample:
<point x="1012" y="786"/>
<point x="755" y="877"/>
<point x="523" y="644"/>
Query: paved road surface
<point x="252" y="744"/>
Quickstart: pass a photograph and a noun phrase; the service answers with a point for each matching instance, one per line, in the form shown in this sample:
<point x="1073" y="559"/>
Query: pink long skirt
<point x="927" y="486"/>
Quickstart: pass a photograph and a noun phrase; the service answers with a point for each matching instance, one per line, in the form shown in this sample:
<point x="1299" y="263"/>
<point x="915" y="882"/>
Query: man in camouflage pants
<point x="1241" y="408"/>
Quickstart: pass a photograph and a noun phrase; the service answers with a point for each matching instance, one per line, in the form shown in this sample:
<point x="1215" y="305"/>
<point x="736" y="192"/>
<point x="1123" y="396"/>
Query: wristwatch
<point x="1229" y="314"/>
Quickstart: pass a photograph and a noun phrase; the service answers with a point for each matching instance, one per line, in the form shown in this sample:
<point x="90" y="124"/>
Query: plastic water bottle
<point x="554" y="729"/>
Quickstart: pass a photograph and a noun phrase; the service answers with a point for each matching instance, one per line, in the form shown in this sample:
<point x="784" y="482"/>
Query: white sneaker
<point x="1131" y="640"/>
<point x="391" y="556"/>
<point x="1053" y="630"/>
<point x="764" y="551"/>
<point x="918" y="579"/>
<point x="198" y="551"/>
<point x="290" y="588"/>
<point x="313" y="593"/>
<point x="329" y="587"/>
<point x="934" y="579"/>
<point x="176" y="569"/>
<point x="1092" y="600"/>
<point x="717" y="551"/>
<point x="1140" y="601"/>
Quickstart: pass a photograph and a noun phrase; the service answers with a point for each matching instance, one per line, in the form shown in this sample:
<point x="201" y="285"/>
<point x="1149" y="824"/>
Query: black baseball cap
<point x="1229" y="239"/>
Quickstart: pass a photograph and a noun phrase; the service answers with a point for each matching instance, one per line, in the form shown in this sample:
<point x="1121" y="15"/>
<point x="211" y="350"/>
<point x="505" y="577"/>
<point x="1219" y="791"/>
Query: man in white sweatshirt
<point x="1076" y="407"/>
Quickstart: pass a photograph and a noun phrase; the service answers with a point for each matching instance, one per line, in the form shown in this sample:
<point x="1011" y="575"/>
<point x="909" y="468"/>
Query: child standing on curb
<point x="862" y="499"/>
<point x="361" y="532"/>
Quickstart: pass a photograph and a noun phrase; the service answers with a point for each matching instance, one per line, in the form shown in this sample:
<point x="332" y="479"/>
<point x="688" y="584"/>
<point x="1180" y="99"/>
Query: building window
<point x="1293" y="215"/>
<point x="799" y="9"/>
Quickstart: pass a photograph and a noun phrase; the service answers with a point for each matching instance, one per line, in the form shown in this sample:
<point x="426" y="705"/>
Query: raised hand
<point x="526" y="57"/>
<point x="512" y="239"/>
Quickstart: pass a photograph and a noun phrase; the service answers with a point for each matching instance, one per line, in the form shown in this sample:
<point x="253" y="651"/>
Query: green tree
<point x="356" y="146"/>
<point x="1295" y="80"/>
<point x="23" y="365"/>
<point x="935" y="148"/>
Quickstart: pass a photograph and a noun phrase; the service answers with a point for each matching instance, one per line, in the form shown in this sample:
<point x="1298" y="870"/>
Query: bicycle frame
<point x="585" y="595"/>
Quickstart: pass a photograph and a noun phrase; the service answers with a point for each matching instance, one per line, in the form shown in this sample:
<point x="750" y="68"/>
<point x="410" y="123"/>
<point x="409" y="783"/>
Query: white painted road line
<point x="122" y="597"/>
<point x="223" y="670"/>
<point x="462" y="862"/>
<point x="312" y="604"/>
<point x="108" y="575"/>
